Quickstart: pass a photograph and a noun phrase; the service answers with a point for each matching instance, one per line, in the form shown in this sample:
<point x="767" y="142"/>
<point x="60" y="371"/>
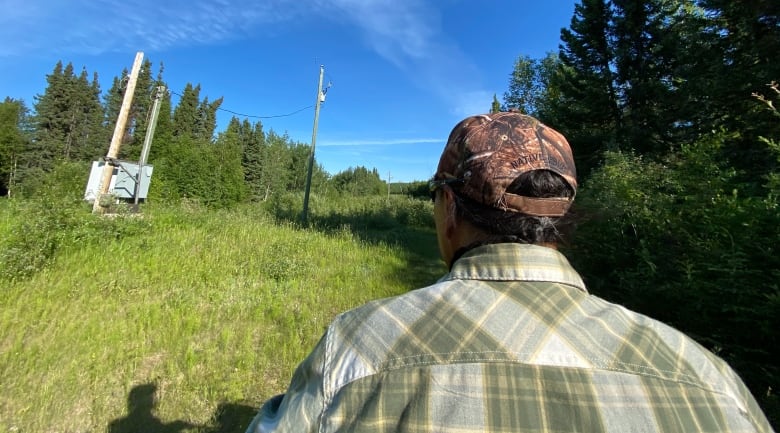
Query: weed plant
<point x="185" y="317"/>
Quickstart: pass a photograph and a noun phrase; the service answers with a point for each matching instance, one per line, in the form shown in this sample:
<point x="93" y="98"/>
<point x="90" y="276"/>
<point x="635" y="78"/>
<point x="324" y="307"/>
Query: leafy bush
<point x="679" y="241"/>
<point x="55" y="216"/>
<point x="359" y="181"/>
<point x="418" y="190"/>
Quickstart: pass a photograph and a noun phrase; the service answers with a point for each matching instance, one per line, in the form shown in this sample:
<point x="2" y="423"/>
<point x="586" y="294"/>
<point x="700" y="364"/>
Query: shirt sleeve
<point x="300" y="409"/>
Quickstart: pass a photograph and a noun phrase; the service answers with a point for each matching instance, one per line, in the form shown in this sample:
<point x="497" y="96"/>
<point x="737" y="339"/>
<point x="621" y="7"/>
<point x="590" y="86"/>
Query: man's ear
<point x="451" y="220"/>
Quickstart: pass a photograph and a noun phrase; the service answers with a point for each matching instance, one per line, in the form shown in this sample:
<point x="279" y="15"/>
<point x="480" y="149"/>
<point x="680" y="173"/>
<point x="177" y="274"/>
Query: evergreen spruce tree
<point x="252" y="141"/>
<point x="66" y="117"/>
<point x="13" y="142"/>
<point x="206" y="122"/>
<point x="587" y="111"/>
<point x="735" y="57"/>
<point x="359" y="181"/>
<point x="186" y="119"/>
<point x="646" y="58"/>
<point x="495" y="106"/>
<point x="49" y="129"/>
<point x="112" y="102"/>
<point x="276" y="162"/>
<point x="99" y="136"/>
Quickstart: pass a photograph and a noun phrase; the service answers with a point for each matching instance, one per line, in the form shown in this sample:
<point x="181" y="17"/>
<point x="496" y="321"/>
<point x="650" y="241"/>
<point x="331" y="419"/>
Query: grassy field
<point x="185" y="319"/>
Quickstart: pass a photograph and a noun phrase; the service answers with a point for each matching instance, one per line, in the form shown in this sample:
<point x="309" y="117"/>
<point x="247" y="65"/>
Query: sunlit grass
<point x="212" y="307"/>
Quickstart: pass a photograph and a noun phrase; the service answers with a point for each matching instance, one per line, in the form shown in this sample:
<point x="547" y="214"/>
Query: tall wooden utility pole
<point x="119" y="132"/>
<point x="320" y="99"/>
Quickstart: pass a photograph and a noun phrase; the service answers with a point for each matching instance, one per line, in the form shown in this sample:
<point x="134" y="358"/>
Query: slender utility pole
<point x="320" y="99"/>
<point x="388" y="184"/>
<point x="148" y="141"/>
<point x="119" y="132"/>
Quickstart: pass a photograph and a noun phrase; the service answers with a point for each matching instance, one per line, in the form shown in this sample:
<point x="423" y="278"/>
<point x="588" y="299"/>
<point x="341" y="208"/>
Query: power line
<point x="266" y="117"/>
<point x="252" y="115"/>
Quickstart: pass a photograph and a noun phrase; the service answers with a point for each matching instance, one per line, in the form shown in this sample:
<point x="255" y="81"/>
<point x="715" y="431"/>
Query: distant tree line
<point x="669" y="106"/>
<point x="72" y="122"/>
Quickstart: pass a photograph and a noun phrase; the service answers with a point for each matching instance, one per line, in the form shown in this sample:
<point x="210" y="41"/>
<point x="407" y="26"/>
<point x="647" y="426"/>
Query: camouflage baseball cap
<point x="486" y="153"/>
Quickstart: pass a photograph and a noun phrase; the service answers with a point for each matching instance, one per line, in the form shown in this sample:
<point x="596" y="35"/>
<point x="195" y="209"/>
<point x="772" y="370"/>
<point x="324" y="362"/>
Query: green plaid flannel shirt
<point x="508" y="341"/>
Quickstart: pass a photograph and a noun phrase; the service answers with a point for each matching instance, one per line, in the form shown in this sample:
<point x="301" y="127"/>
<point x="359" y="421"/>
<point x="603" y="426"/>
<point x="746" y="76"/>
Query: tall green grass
<point x="209" y="311"/>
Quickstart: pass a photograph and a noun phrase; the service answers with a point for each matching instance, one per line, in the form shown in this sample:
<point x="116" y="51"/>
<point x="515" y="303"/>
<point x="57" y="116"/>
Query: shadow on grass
<point x="141" y="404"/>
<point x="231" y="418"/>
<point x="414" y="235"/>
<point x="140" y="417"/>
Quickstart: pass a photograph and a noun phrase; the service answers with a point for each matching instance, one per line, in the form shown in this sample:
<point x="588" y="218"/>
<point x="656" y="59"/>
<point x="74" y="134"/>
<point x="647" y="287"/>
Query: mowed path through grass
<point x="188" y="324"/>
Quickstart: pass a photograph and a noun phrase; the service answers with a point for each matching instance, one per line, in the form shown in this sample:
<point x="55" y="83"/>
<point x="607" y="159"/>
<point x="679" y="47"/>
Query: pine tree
<point x="49" y="109"/>
<point x="98" y="135"/>
<point x="66" y="117"/>
<point x="13" y="142"/>
<point x="620" y="76"/>
<point x="112" y="102"/>
<point x="495" y="106"/>
<point x="276" y="162"/>
<point x="252" y="140"/>
<point x="206" y="122"/>
<point x="736" y="56"/>
<point x="359" y="181"/>
<point x="587" y="112"/>
<point x="646" y="58"/>
<point x="186" y="117"/>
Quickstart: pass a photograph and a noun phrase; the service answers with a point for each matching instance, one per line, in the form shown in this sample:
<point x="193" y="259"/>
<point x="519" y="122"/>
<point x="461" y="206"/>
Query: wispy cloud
<point x="407" y="33"/>
<point x="99" y="26"/>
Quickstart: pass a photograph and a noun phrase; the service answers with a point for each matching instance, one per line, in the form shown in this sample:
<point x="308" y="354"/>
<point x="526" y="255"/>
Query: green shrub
<point x="54" y="217"/>
<point x="679" y="241"/>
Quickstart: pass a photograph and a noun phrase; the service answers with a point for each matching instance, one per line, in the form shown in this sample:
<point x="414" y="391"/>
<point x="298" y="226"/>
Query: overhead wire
<point x="252" y="115"/>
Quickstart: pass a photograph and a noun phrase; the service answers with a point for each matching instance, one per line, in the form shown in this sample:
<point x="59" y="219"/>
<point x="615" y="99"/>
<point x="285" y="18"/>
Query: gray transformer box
<point x="122" y="180"/>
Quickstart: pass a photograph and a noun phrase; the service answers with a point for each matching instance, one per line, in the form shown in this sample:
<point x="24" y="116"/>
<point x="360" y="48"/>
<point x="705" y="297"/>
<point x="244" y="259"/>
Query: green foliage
<point x="495" y="106"/>
<point x="336" y="211"/>
<point x="678" y="241"/>
<point x="70" y="124"/>
<point x="644" y="40"/>
<point x="359" y="181"/>
<point x="530" y="88"/>
<point x="418" y="190"/>
<point x="587" y="110"/>
<point x="209" y="173"/>
<point x="55" y="217"/>
<point x="746" y="36"/>
<point x="12" y="143"/>
<point x="193" y="118"/>
<point x="210" y="310"/>
<point x="185" y="115"/>
<point x="647" y="75"/>
<point x="252" y="141"/>
<point x="68" y="119"/>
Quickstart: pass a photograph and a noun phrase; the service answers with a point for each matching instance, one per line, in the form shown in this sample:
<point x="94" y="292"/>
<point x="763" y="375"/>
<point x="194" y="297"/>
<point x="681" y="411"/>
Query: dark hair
<point x="507" y="226"/>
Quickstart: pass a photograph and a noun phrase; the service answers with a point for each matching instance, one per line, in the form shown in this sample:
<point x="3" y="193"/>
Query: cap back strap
<point x="548" y="207"/>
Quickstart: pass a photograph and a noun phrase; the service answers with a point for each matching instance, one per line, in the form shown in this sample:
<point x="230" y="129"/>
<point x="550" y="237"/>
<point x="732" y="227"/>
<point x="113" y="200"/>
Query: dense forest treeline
<point x="669" y="106"/>
<point x="72" y="123"/>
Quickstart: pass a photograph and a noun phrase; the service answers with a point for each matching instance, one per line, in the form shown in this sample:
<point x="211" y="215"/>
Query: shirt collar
<point x="515" y="262"/>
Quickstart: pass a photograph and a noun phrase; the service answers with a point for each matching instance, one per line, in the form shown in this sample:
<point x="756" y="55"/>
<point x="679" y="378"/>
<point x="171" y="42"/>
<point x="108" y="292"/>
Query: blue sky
<point x="402" y="72"/>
